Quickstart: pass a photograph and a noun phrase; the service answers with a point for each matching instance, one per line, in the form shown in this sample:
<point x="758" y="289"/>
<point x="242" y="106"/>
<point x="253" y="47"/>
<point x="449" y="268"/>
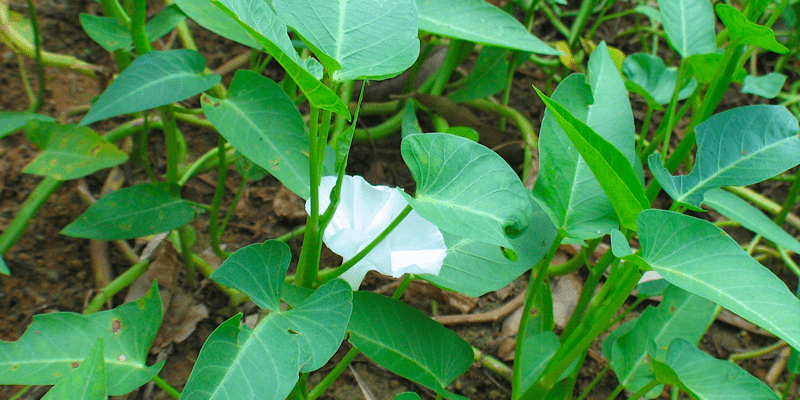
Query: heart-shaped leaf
<point x="343" y="34"/>
<point x="466" y="189"/>
<point x="55" y="344"/>
<point x="69" y="151"/>
<point x="743" y="31"/>
<point x="698" y="257"/>
<point x="737" y="147"/>
<point x="650" y="73"/>
<point x="407" y="342"/>
<point x="133" y="212"/>
<point x="767" y="86"/>
<point x="237" y="362"/>
<point x="153" y="79"/>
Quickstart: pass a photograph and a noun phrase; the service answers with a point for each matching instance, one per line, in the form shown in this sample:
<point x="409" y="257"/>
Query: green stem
<point x="498" y="367"/>
<point x="232" y="207"/>
<point x="216" y="203"/>
<point x="37" y="44"/>
<point x="171" y="391"/>
<point x="749" y="355"/>
<point x="586" y="294"/>
<point x="334" y="374"/>
<point x="791" y="199"/>
<point x="308" y="264"/>
<point x="112" y="8"/>
<point x="171" y="143"/>
<point x="522" y="123"/>
<point x="764" y="203"/>
<point x="646" y="388"/>
<point x="383" y="130"/>
<point x="291" y="235"/>
<point x="363" y="253"/>
<point x="594" y="382"/>
<point x="184" y="233"/>
<point x="579" y="24"/>
<point x="118" y="284"/>
<point x="138" y="33"/>
<point x="206" y="162"/>
<point x="551" y="16"/>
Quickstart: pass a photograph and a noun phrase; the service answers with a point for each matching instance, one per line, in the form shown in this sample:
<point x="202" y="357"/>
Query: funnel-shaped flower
<point x="415" y="246"/>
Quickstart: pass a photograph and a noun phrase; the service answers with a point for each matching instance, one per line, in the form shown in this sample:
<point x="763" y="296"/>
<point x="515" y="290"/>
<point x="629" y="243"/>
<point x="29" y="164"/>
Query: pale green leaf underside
<point x="708" y="378"/>
<point x="689" y="25"/>
<point x="367" y="39"/>
<point x="767" y="86"/>
<point x="650" y="73"/>
<point x="698" y="257"/>
<point x="480" y="22"/>
<point x="209" y="16"/>
<point x="466" y="189"/>
<point x="737" y="147"/>
<point x="70" y="152"/>
<point x="566" y="185"/>
<point x="407" y="342"/>
<point x="133" y="212"/>
<point x="736" y="209"/>
<point x="153" y="79"/>
<point x="680" y="315"/>
<point x="55" y="342"/>
<point x="87" y="382"/>
<point x="475" y="268"/>
<point x="262" y="123"/>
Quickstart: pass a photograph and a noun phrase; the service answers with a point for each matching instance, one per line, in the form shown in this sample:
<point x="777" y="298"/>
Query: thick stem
<point x="308" y="264"/>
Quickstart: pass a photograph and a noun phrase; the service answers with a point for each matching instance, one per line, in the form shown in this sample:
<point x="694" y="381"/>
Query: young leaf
<point x="567" y="187"/>
<point x="736" y="209"/>
<point x="767" y="86"/>
<point x="738" y="147"/>
<point x="705" y="66"/>
<point x="680" y="315"/>
<point x="407" y="342"/>
<point x="698" y="257"/>
<point x="153" y="79"/>
<point x="407" y="396"/>
<point x="344" y="35"/>
<point x="109" y="32"/>
<point x="745" y="32"/>
<point x="689" y="368"/>
<point x="689" y="25"/>
<point x="258" y="19"/>
<point x="212" y="18"/>
<point x="133" y="212"/>
<point x="69" y="151"/>
<point x="11" y="121"/>
<point x="55" y="344"/>
<point x="475" y="268"/>
<point x="480" y="22"/>
<point x="3" y="267"/>
<point x="164" y="22"/>
<point x="649" y="72"/>
<point x="237" y="362"/>
<point x="466" y="189"/>
<point x="610" y="167"/>
<point x="262" y="123"/>
<point x="87" y="381"/>
<point x="537" y="350"/>
<point x="488" y="76"/>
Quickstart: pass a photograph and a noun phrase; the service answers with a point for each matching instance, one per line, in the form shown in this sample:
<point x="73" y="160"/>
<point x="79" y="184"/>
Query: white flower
<point x="415" y="246"/>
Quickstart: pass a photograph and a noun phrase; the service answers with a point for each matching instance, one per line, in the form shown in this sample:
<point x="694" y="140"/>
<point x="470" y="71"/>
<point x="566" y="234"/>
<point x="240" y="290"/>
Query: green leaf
<point x="475" y="268"/>
<point x="737" y="147"/>
<point x="689" y="25"/>
<point x="488" y="76"/>
<point x="610" y="167"/>
<point x="705" y="66"/>
<point x="343" y="34"/>
<point x="87" y="382"/>
<point x="743" y="31"/>
<point x="480" y="22"/>
<point x="407" y="342"/>
<point x="698" y="257"/>
<point x="69" y="151"/>
<point x="767" y="86"/>
<point x="109" y="32"/>
<point x="249" y="170"/>
<point x="466" y="189"/>
<point x="619" y="244"/>
<point x="11" y="121"/>
<point x="262" y="123"/>
<point x="659" y="81"/>
<point x="3" y="267"/>
<point x="738" y="210"/>
<point x="55" y="344"/>
<point x="537" y="350"/>
<point x="566" y="186"/>
<point x="258" y="19"/>
<point x="410" y="124"/>
<point x="209" y="16"/>
<point x="153" y="79"/>
<point x="133" y="212"/>
<point x="680" y="315"/>
<point x="407" y="396"/>
<point x="164" y="22"/>
<point x="263" y="363"/>
<point x="689" y="368"/>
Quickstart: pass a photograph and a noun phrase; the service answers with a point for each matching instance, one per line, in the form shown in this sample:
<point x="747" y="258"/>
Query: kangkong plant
<point x="469" y="226"/>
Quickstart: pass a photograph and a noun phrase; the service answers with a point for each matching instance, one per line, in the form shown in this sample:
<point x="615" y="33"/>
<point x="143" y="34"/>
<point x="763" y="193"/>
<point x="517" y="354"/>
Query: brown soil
<point x="52" y="272"/>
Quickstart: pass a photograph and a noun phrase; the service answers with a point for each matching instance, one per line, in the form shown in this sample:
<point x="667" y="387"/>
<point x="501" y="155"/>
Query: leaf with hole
<point x="70" y="152"/>
<point x="152" y="80"/>
<point x="407" y="342"/>
<point x="737" y="147"/>
<point x="466" y="189"/>
<point x="55" y="344"/>
<point x="237" y="362"/>
<point x="133" y="212"/>
<point x="343" y="35"/>
<point x="700" y="258"/>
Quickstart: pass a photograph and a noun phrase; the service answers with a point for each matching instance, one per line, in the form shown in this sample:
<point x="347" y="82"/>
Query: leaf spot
<point x="744" y="152"/>
<point x="116" y="324"/>
<point x="292" y="332"/>
<point x="122" y="358"/>
<point x="75" y="364"/>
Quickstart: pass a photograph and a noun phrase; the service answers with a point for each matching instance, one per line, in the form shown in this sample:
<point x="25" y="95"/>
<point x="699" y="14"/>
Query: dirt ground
<point x="52" y="272"/>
